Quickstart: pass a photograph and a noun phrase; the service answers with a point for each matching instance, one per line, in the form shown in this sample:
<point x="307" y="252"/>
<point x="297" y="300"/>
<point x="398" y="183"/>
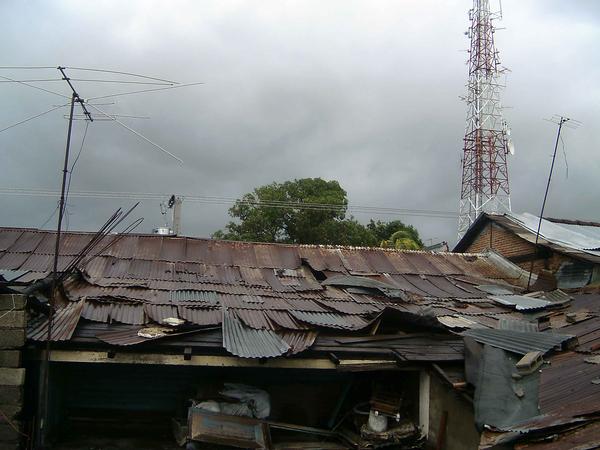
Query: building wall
<point x="461" y="433"/>
<point x="514" y="248"/>
<point x="12" y="376"/>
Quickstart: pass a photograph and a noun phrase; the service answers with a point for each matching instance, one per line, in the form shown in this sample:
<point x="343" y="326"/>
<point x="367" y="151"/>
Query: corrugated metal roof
<point x="521" y="302"/>
<point x="518" y="325"/>
<point x="64" y="321"/>
<point x="246" y="342"/>
<point x="331" y="320"/>
<point x="200" y="316"/>
<point x="193" y="296"/>
<point x="298" y="341"/>
<point x="567" y="381"/>
<point x="518" y="341"/>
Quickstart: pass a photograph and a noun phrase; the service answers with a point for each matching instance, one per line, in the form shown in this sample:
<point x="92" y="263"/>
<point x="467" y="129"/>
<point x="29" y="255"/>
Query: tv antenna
<point x="75" y="98"/>
<point x="562" y="122"/>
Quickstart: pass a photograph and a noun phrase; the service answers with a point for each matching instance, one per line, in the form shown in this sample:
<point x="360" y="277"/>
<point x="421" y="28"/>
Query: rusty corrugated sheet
<point x="64" y="321"/>
<point x="201" y="316"/>
<point x="284" y="320"/>
<point x="566" y="384"/>
<point x="331" y="320"/>
<point x="579" y="436"/>
<point x="160" y="312"/>
<point x="350" y="307"/>
<point x="246" y="342"/>
<point x="298" y="340"/>
<point x="253" y="318"/>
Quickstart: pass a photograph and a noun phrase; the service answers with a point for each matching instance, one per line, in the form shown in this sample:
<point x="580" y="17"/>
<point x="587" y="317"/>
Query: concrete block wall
<point x="13" y="321"/>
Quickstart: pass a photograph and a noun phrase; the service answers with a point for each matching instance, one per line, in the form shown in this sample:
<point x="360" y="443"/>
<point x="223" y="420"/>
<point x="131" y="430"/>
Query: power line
<point x="214" y="200"/>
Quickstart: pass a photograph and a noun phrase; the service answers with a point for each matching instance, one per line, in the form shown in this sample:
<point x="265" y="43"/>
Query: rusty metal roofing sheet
<point x="160" y="312"/>
<point x="298" y="304"/>
<point x="193" y="296"/>
<point x="13" y="261"/>
<point x="246" y="342"/>
<point x="521" y="302"/>
<point x="351" y="307"/>
<point x="173" y="249"/>
<point x="129" y="313"/>
<point x="284" y="320"/>
<point x="96" y="311"/>
<point x="125" y="337"/>
<point x="253" y="318"/>
<point x="298" y="340"/>
<point x="581" y="436"/>
<point x="519" y="341"/>
<point x="330" y="320"/>
<point x="64" y="321"/>
<point x="566" y="385"/>
<point x="9" y="237"/>
<point x="200" y="316"/>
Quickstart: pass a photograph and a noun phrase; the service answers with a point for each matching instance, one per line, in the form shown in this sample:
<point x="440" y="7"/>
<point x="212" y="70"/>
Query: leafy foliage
<point x="268" y="214"/>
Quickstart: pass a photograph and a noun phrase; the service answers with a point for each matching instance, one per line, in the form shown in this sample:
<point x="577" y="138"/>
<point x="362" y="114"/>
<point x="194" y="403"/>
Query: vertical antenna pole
<point x="45" y="372"/>
<point x="537" y="234"/>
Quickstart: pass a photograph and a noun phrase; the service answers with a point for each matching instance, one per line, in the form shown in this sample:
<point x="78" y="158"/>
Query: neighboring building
<point x="144" y="323"/>
<point x="569" y="250"/>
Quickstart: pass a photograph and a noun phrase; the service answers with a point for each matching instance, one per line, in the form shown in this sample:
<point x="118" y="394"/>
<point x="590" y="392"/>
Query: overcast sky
<point x="366" y="93"/>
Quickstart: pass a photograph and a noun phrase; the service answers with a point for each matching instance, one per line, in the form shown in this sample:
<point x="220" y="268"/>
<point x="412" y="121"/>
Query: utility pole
<point x="484" y="186"/>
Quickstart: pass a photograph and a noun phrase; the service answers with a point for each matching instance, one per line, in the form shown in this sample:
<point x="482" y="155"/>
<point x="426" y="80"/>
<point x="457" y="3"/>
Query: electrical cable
<point x="230" y="200"/>
<point x="87" y="124"/>
<point x="32" y="117"/>
<point x="49" y="218"/>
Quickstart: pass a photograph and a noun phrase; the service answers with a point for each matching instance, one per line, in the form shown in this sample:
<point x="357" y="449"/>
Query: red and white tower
<point x="486" y="143"/>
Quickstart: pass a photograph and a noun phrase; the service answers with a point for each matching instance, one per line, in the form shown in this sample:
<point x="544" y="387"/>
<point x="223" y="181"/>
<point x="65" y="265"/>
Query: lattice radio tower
<point x="486" y="143"/>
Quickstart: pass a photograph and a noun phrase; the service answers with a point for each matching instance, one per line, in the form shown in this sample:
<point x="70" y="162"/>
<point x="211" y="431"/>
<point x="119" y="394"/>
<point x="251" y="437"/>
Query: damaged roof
<point x="268" y="298"/>
<point x="575" y="238"/>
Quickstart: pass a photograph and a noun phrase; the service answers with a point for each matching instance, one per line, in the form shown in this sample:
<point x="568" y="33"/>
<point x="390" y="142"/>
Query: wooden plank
<point x="70" y="356"/>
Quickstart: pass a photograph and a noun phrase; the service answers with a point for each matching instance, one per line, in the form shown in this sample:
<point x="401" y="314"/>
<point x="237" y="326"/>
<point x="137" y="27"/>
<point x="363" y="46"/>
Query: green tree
<point x="395" y="234"/>
<point x="268" y="214"/>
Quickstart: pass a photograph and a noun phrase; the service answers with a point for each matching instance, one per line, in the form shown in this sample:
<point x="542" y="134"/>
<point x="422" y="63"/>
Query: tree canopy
<point x="309" y="211"/>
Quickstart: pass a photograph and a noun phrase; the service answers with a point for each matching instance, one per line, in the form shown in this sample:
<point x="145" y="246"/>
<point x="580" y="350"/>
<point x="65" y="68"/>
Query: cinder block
<point x="13" y="338"/>
<point x="13" y="319"/>
<point x="8" y="435"/>
<point x="12" y="301"/>
<point x="12" y="377"/>
<point x="11" y="395"/>
<point x="10" y="446"/>
<point x="10" y="358"/>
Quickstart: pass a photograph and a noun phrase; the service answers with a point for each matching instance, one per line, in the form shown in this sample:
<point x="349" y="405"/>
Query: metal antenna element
<point x="562" y="122"/>
<point x="486" y="143"/>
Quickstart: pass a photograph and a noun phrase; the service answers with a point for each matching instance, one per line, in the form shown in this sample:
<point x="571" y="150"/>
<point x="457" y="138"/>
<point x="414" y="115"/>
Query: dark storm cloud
<point x="365" y="93"/>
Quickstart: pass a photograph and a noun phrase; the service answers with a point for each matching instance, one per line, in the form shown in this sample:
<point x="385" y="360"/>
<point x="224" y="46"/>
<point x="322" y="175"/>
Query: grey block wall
<point x="13" y="321"/>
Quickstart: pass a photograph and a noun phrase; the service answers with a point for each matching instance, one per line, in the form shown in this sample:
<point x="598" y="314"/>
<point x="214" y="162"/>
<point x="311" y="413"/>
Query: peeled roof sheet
<point x="246" y="342"/>
<point x="519" y="341"/>
<point x="521" y="302"/>
<point x="64" y="321"/>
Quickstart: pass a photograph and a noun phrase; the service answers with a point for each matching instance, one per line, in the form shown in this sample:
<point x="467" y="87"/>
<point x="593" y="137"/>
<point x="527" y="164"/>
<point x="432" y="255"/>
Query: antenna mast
<point x="486" y="143"/>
